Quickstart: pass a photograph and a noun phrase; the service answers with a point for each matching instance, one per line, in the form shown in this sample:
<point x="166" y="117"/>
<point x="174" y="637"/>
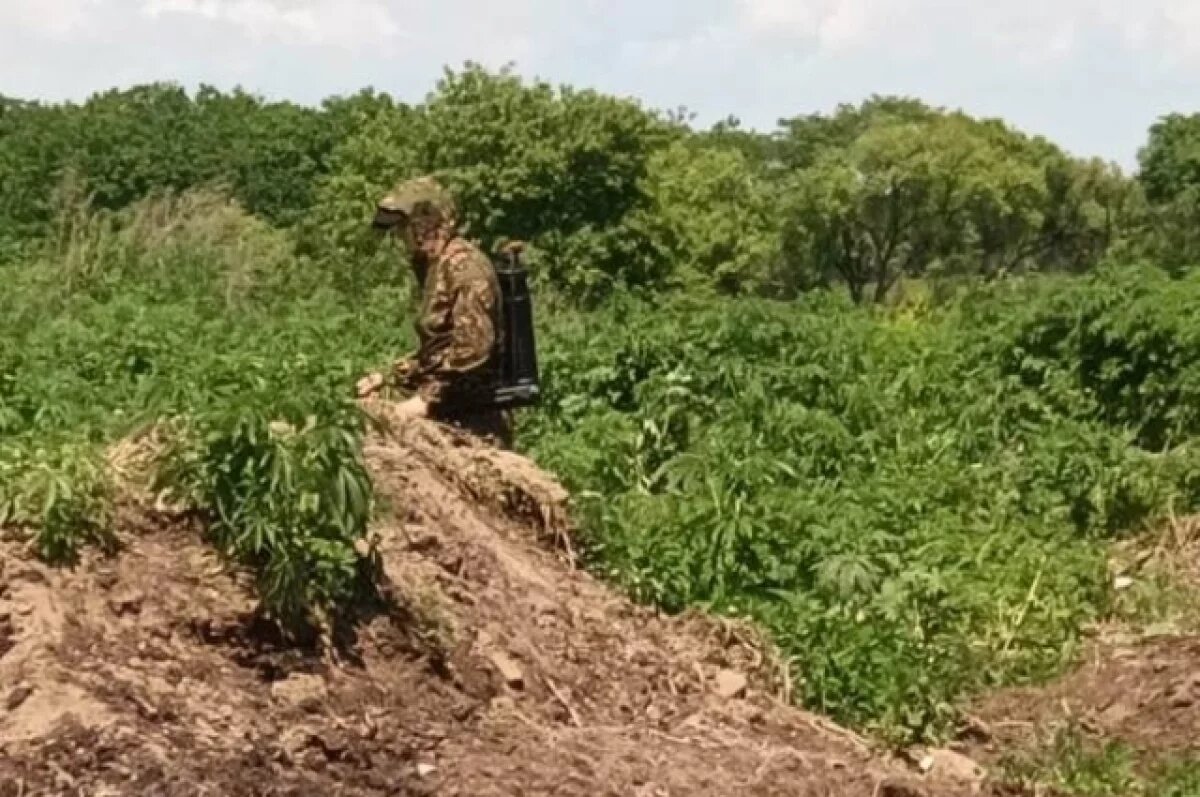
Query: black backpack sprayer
<point x="519" y="384"/>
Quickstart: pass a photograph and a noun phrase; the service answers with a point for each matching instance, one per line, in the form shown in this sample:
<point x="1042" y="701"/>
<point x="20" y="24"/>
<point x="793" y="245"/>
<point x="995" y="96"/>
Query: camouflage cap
<point x="422" y="196"/>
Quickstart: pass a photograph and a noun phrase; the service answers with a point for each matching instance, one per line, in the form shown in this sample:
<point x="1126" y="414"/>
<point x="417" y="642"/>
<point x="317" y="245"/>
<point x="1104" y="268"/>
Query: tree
<point x="723" y="215"/>
<point x="762" y="150"/>
<point x="126" y="144"/>
<point x="270" y="153"/>
<point x="378" y="144"/>
<point x="1170" y="160"/>
<point x="527" y="158"/>
<point x="1092" y="206"/>
<point x="893" y="203"/>
<point x="1170" y="178"/>
<point x="559" y="168"/>
<point x="802" y="140"/>
<point x="950" y="195"/>
<point x="33" y="141"/>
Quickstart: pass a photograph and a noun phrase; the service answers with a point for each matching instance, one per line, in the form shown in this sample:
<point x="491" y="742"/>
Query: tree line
<point x="614" y="196"/>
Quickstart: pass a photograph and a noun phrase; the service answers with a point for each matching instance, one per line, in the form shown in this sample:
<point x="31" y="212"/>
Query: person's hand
<point x="415" y="407"/>
<point x="404" y="370"/>
<point x="369" y="384"/>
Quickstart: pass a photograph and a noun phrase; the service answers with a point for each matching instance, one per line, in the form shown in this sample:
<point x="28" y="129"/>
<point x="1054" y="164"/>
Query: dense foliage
<point x="615" y="196"/>
<point x="1076" y="765"/>
<point x="912" y="506"/>
<point x="189" y="313"/>
<point x="914" y="500"/>
<point x="1170" y="177"/>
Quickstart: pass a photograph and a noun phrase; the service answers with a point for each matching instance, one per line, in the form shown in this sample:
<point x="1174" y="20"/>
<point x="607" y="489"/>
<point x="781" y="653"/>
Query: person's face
<point x="401" y="232"/>
<point x="405" y="233"/>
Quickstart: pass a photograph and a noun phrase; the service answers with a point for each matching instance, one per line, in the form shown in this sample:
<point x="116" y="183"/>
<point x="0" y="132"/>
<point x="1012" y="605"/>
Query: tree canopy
<point x="615" y="196"/>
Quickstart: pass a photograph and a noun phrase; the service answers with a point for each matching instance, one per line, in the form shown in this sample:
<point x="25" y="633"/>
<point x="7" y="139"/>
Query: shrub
<point x="60" y="496"/>
<point x="910" y="518"/>
<point x="286" y="495"/>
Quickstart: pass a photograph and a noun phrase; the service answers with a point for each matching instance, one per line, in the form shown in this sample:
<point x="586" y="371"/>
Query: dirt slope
<point x="1135" y="685"/>
<point x="496" y="668"/>
<point x="1145" y="693"/>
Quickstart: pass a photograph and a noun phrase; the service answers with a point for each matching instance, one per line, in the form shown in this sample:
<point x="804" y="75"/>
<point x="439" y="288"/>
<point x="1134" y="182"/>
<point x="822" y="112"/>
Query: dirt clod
<point x="17" y="697"/>
<point x="975" y="730"/>
<point x="950" y="765"/>
<point x="731" y="685"/>
<point x="126" y="603"/>
<point x="509" y="670"/>
<point x="305" y="692"/>
<point x="1182" y="700"/>
<point x="895" y="788"/>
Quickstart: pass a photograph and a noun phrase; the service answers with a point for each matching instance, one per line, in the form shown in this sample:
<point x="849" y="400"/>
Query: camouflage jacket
<point x="459" y="330"/>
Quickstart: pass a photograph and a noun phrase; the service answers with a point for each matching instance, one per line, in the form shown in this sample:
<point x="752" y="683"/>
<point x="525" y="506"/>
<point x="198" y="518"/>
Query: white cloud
<point x="320" y="22"/>
<point x="832" y="24"/>
<point x="56" y="19"/>
<point x="310" y="22"/>
<point x="1035" y="39"/>
<point x="1032" y="32"/>
<point x="1092" y="74"/>
<point x="1183" y="22"/>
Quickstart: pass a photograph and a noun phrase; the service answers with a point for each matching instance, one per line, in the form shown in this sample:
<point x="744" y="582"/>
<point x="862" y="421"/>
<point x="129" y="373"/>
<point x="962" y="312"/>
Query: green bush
<point x="912" y="520"/>
<point x="724" y="217"/>
<point x="60" y="496"/>
<point x="287" y="496"/>
<point x="185" y="307"/>
<point x="1124" y="344"/>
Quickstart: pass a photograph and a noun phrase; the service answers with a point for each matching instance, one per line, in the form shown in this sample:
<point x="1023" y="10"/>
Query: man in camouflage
<point x="457" y="364"/>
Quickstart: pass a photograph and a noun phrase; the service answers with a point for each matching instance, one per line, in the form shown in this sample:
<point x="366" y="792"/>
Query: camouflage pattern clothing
<point x="459" y="325"/>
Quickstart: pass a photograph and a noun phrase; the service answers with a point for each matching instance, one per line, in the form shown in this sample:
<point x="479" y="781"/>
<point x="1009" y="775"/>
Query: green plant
<point x="287" y="496"/>
<point x="910" y="519"/>
<point x="61" y="497"/>
<point x="1083" y="766"/>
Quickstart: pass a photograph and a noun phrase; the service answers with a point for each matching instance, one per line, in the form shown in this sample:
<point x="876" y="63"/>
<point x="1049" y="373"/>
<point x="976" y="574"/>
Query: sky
<point x="1092" y="75"/>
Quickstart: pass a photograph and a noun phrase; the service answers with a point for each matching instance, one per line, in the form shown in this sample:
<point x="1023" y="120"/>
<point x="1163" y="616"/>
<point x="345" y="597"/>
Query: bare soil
<point x="1136" y="686"/>
<point x="493" y="666"/>
<point x="1145" y="693"/>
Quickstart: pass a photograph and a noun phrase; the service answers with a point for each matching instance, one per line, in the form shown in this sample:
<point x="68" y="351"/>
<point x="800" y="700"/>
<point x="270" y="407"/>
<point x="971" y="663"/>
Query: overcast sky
<point x="1091" y="74"/>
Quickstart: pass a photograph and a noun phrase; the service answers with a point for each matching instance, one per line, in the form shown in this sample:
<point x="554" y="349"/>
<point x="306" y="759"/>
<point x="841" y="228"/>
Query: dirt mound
<point x="1137" y="685"/>
<point x="493" y="668"/>
<point x="1145" y="693"/>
